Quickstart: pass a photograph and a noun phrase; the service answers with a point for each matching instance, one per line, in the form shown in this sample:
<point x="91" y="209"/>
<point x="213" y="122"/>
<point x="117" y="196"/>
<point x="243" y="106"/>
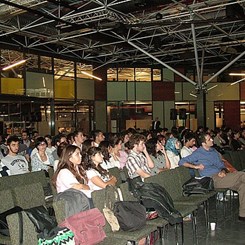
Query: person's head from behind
<point x="70" y="138"/>
<point x="137" y="143"/>
<point x="60" y="148"/>
<point x="60" y="139"/>
<point x="86" y="145"/>
<point x="13" y="145"/>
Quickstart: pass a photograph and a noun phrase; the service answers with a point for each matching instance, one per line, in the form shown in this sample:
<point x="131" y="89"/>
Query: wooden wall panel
<point x="100" y="90"/>
<point x="163" y="91"/>
<point x="242" y="91"/>
<point x="232" y="113"/>
<point x="177" y="78"/>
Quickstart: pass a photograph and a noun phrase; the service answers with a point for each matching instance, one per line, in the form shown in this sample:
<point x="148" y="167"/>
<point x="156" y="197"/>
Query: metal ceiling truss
<point x="104" y="31"/>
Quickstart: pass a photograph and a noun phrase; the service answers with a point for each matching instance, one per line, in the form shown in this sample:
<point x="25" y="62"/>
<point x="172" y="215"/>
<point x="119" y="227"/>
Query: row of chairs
<point x="26" y="196"/>
<point x="31" y="195"/>
<point x="236" y="158"/>
<point x="172" y="180"/>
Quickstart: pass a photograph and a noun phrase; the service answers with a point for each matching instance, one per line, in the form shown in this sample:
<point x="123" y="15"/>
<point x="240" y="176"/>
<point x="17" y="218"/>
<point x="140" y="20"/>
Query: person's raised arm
<point x="149" y="160"/>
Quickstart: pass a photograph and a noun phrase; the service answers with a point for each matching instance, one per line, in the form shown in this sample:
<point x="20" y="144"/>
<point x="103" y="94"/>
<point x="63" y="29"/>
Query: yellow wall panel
<point x="64" y="89"/>
<point x="12" y="86"/>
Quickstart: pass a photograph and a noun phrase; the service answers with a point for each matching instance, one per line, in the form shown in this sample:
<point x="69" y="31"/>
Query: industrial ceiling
<point x="185" y="33"/>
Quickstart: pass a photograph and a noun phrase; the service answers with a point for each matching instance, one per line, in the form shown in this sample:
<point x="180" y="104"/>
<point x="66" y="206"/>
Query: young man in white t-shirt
<point x="17" y="164"/>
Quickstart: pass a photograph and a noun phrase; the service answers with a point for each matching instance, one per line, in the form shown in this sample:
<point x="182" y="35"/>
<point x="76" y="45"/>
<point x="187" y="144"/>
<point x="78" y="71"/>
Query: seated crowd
<point x="83" y="161"/>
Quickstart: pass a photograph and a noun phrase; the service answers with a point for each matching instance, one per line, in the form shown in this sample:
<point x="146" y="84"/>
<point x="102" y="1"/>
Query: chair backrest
<point x="9" y="182"/>
<point x="116" y="173"/>
<point x="29" y="230"/>
<point x="60" y="210"/>
<point x="28" y="196"/>
<point x="242" y="158"/>
<point x="99" y="198"/>
<point x="126" y="194"/>
<point x="169" y="180"/>
<point x="183" y="173"/>
<point x="236" y="160"/>
<point x="7" y="200"/>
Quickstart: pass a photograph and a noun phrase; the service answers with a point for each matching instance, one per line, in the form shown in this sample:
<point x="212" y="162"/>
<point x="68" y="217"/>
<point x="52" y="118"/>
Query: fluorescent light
<point x="44" y="84"/>
<point x="212" y="87"/>
<point x="98" y="78"/>
<point x="237" y="74"/>
<point x="193" y="95"/>
<point x="13" y="65"/>
<point x="237" y="81"/>
<point x="176" y="92"/>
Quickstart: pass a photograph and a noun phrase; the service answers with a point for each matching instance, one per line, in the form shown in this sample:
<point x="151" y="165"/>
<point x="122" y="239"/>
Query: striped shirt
<point x="136" y="161"/>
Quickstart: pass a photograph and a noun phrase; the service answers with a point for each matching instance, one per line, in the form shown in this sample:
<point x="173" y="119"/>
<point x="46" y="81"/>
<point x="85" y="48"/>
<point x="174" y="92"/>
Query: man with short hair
<point x="25" y="138"/>
<point x="78" y="138"/>
<point x="98" y="137"/>
<point x="209" y="163"/>
<point x="17" y="164"/>
<point x="139" y="161"/>
<point x="189" y="141"/>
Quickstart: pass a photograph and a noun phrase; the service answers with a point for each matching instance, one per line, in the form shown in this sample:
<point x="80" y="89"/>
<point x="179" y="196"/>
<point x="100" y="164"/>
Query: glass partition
<point x="112" y="74"/>
<point x="122" y="115"/>
<point x="39" y="85"/>
<point x="157" y="74"/>
<point x="143" y="74"/>
<point x="125" y="74"/>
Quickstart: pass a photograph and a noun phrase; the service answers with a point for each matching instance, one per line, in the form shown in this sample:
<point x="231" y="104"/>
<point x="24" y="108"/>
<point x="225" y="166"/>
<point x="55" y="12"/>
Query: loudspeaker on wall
<point x="182" y="114"/>
<point x="173" y="114"/>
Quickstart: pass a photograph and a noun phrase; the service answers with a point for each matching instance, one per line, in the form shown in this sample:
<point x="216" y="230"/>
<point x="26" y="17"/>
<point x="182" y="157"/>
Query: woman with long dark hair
<point x="98" y="178"/>
<point x="158" y="155"/>
<point x="70" y="173"/>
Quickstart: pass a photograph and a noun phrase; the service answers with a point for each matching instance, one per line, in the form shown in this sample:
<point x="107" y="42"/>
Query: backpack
<point x="87" y="226"/>
<point x="198" y="185"/>
<point x="154" y="196"/>
<point x="75" y="201"/>
<point x="131" y="215"/>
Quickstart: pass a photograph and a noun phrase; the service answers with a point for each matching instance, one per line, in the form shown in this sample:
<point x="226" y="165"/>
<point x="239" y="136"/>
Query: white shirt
<point x="185" y="151"/>
<point x="93" y="173"/>
<point x="66" y="180"/>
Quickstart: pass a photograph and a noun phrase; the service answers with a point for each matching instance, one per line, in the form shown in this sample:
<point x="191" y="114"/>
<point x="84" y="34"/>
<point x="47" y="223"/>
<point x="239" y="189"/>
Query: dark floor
<point x="228" y="229"/>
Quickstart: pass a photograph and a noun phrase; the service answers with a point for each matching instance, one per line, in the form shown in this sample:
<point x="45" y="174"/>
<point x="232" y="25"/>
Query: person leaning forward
<point x="208" y="163"/>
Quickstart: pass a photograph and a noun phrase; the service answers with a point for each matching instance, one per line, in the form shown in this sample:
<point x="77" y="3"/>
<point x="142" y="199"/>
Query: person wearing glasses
<point x="42" y="159"/>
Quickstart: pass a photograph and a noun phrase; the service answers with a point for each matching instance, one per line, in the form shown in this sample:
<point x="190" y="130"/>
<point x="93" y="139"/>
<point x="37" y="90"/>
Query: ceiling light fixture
<point x="212" y="87"/>
<point x="90" y="75"/>
<point x="237" y="74"/>
<point x="13" y="65"/>
<point x="193" y="95"/>
<point x="237" y="81"/>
